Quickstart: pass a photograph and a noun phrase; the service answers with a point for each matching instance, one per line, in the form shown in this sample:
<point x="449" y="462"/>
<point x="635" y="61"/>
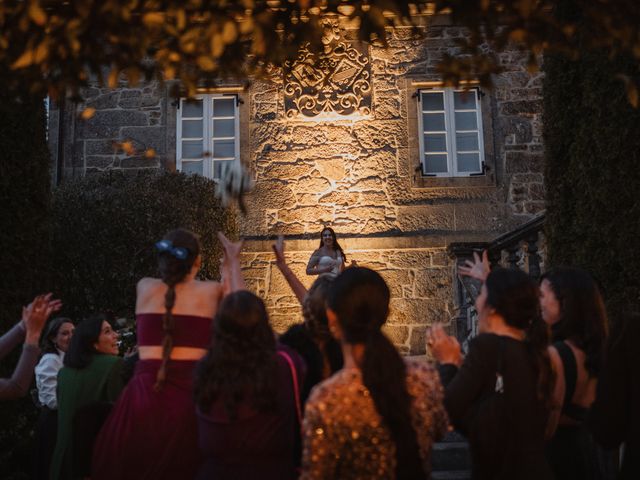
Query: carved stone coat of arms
<point x="335" y="82"/>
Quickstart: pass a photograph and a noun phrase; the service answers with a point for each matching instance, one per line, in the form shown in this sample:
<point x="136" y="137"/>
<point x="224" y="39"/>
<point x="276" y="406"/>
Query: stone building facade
<point x="355" y="172"/>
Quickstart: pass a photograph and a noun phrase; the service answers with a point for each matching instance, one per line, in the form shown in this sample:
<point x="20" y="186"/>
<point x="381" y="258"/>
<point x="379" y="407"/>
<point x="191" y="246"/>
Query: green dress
<point x="100" y="381"/>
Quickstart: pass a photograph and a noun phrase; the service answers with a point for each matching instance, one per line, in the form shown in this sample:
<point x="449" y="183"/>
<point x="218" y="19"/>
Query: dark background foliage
<point x="24" y="242"/>
<point x="104" y="230"/>
<point x="90" y="246"/>
<point x="592" y="178"/>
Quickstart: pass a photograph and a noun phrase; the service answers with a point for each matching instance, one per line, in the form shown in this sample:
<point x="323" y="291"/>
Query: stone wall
<point x="356" y="174"/>
<point x="420" y="280"/>
<point x="133" y="118"/>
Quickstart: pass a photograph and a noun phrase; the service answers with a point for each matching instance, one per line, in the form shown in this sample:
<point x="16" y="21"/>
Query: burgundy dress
<point x="254" y="445"/>
<point x="149" y="434"/>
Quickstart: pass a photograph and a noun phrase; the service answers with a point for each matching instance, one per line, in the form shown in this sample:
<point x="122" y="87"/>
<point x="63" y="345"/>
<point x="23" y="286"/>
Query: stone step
<point x="452" y="475"/>
<point x="451" y="457"/>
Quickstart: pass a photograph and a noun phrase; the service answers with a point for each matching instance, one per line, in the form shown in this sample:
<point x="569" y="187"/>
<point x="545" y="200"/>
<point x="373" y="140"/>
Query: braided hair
<point x="173" y="270"/>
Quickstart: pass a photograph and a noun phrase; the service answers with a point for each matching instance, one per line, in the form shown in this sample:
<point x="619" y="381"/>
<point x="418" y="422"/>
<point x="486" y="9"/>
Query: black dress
<point x="299" y="339"/>
<point x="571" y="451"/>
<point x="493" y="400"/>
<point x="615" y="415"/>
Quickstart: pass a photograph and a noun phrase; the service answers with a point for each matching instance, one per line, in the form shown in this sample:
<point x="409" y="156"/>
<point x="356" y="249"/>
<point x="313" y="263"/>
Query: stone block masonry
<point x="419" y="280"/>
<point x="355" y="173"/>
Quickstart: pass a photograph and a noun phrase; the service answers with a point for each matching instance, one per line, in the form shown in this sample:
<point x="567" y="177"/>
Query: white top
<point x="326" y="261"/>
<point x="47" y="378"/>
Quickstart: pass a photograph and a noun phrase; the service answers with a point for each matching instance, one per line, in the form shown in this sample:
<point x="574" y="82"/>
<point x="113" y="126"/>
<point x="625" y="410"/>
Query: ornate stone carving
<point x="335" y="81"/>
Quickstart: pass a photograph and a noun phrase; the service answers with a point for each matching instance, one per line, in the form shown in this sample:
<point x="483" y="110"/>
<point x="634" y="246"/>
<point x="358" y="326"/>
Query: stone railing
<point x="522" y="248"/>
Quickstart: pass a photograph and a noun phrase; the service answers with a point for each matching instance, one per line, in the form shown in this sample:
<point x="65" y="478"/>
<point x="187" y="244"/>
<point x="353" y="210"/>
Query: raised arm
<point x="232" y="278"/>
<point x="294" y="282"/>
<point x="34" y="317"/>
<point x="463" y="380"/>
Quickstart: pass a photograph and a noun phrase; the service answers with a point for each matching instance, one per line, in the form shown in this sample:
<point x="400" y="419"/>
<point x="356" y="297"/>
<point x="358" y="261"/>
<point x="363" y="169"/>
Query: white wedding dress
<point x="334" y="263"/>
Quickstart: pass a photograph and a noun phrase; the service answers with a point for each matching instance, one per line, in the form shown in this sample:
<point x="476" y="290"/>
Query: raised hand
<point x="478" y="269"/>
<point x="232" y="279"/>
<point x="35" y="315"/>
<point x="443" y="347"/>
<point x="278" y="250"/>
<point x="231" y="249"/>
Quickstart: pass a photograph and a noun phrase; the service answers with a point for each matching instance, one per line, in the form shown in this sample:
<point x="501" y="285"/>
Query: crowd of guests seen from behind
<point x="543" y="391"/>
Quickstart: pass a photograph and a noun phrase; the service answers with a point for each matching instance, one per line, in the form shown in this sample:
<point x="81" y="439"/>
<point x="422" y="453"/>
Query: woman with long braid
<point x="379" y="416"/>
<point x="151" y="432"/>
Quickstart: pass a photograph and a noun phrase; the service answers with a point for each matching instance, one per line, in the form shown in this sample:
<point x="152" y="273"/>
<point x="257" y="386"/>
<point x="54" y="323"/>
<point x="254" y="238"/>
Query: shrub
<point x="105" y="227"/>
<point x="24" y="241"/>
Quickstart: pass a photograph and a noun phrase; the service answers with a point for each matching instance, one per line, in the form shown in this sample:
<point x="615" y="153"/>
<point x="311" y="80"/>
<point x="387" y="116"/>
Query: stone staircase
<point x="450" y="458"/>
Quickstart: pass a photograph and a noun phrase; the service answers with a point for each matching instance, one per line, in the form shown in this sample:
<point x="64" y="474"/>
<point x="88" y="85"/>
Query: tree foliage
<point x="54" y="44"/>
<point x="24" y="245"/>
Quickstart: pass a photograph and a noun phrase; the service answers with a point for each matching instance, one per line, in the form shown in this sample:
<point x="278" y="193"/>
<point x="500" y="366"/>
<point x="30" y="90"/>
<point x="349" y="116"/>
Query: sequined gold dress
<point x="343" y="433"/>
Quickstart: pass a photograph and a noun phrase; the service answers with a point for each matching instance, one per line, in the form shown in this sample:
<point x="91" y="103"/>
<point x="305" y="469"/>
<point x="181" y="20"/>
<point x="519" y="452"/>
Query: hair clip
<point x="180" y="253"/>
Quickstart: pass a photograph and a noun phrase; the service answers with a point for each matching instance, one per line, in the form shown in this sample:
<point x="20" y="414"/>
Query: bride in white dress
<point x="329" y="258"/>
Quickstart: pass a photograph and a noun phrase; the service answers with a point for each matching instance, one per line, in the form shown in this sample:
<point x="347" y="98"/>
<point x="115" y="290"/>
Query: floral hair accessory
<point x="180" y="253"/>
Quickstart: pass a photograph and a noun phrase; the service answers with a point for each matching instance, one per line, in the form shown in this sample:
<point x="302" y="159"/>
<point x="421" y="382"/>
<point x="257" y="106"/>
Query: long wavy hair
<point x="515" y="296"/>
<point x="172" y="271"/>
<point x="240" y="364"/>
<point x="583" y="317"/>
<point x="49" y="334"/>
<point x="81" y="348"/>
<point x="336" y="245"/>
<point x="360" y="299"/>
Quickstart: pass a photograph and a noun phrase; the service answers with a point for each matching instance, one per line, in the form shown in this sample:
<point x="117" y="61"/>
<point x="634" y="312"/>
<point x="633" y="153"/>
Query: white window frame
<point x="208" y="160"/>
<point x="450" y="132"/>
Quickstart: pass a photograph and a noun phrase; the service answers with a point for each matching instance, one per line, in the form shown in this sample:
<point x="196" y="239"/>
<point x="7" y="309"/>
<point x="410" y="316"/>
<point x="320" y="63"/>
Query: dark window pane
<point x="224" y="128"/>
<point x="192" y="128"/>
<point x="464" y="100"/>
<point x="469" y="162"/>
<point x="192" y="108"/>
<point x="435" y="164"/>
<point x="192" y="167"/>
<point x="466" y="121"/>
<point x="191" y="149"/>
<point x="467" y="141"/>
<point x="433" y="122"/>
<point x="224" y="107"/>
<point x="435" y="142"/>
<point x="224" y="148"/>
<point x="432" y="101"/>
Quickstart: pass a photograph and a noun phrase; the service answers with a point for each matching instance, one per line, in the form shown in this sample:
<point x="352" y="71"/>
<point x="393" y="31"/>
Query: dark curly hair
<point x="360" y="299"/>
<point x="47" y="339"/>
<point x="172" y="271"/>
<point x="583" y="317"/>
<point x="240" y="364"/>
<point x="515" y="296"/>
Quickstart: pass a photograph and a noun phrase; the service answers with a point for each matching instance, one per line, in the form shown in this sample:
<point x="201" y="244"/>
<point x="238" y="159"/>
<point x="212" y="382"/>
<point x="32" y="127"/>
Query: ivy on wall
<point x="592" y="173"/>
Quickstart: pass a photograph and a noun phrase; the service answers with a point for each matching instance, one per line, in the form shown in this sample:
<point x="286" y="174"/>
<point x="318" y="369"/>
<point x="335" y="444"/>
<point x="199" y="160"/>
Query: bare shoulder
<point x="208" y="285"/>
<point x="146" y="284"/>
<point x="316" y="253"/>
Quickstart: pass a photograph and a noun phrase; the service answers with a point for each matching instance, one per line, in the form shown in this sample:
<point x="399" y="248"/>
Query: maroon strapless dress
<point x="149" y="434"/>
